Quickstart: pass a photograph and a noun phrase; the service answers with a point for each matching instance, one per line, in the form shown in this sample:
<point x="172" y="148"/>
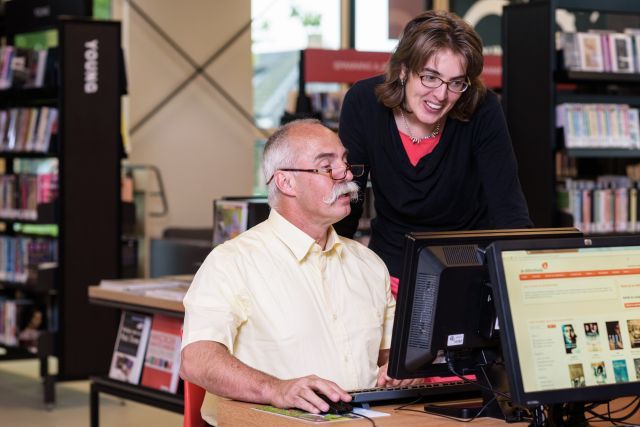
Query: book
<point x="622" y="57"/>
<point x="230" y="219"/>
<point x="131" y="342"/>
<point x="20" y="66"/>
<point x="234" y="215"/>
<point x="51" y="129"/>
<point x="15" y="311"/>
<point x="4" y="119"/>
<point x="162" y="361"/>
<point x="570" y="53"/>
<point x="41" y="68"/>
<point x="590" y="48"/>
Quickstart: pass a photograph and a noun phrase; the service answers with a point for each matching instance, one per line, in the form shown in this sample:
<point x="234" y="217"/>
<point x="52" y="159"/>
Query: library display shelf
<point x="133" y="302"/>
<point x="85" y="151"/>
<point x="41" y="279"/>
<point x="28" y="154"/>
<point x="594" y="98"/>
<point x="45" y="213"/>
<point x="158" y="399"/>
<point x="29" y="96"/>
<point x="568" y="76"/>
<point x="603" y="152"/>
<point x="535" y="83"/>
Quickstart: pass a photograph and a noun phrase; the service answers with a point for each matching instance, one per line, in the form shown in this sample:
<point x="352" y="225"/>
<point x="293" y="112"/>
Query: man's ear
<point x="285" y="183"/>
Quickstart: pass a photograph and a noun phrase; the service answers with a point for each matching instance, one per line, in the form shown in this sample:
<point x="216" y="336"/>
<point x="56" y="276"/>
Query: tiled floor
<point x="21" y="403"/>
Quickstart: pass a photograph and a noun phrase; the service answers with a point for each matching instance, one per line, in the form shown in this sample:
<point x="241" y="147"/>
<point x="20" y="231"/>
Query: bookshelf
<point x="534" y="83"/>
<point x="86" y="213"/>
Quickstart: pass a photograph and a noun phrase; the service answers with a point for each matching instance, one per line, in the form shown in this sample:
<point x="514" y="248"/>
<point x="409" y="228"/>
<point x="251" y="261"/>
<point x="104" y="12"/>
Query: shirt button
<point x="335" y="316"/>
<point x="346" y="358"/>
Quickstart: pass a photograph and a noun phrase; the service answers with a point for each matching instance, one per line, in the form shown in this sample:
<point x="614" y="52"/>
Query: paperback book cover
<point x="162" y="361"/>
<point x="230" y="219"/>
<point x="131" y="342"/>
<point x="307" y="416"/>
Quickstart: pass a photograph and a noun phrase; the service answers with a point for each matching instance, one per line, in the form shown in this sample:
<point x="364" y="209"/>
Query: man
<point x="289" y="310"/>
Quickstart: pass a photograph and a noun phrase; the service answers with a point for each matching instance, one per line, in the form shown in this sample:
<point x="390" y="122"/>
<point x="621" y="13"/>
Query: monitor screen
<point x="569" y="312"/>
<point x="444" y="305"/>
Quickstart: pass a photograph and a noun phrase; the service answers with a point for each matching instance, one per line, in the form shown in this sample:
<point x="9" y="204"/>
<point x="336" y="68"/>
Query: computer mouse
<point x="337" y="408"/>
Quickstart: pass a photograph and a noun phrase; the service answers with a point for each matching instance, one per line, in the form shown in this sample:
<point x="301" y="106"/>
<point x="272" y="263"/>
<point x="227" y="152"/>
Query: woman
<point x="434" y="139"/>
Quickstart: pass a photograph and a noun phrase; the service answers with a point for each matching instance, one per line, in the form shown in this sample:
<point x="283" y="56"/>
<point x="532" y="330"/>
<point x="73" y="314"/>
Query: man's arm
<point x="210" y="365"/>
<point x="385" y="380"/>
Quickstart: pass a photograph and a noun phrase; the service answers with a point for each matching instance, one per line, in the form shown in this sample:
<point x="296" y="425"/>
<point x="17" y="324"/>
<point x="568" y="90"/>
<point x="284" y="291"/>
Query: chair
<point x="193" y="397"/>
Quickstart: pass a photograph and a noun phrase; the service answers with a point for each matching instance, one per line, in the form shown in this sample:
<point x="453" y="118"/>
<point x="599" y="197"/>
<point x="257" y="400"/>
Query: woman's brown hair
<point x="424" y="36"/>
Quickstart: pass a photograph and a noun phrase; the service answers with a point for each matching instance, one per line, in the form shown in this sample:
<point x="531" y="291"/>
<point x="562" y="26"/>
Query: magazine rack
<point x="103" y="384"/>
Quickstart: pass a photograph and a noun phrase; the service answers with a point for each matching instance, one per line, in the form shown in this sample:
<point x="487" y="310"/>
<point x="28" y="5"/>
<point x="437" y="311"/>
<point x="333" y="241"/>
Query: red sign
<point x="349" y="66"/>
<point x="342" y="66"/>
<point x="492" y="71"/>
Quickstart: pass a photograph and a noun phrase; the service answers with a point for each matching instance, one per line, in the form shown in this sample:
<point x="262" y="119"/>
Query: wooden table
<point x="233" y="413"/>
<point x="236" y="414"/>
<point x="129" y="300"/>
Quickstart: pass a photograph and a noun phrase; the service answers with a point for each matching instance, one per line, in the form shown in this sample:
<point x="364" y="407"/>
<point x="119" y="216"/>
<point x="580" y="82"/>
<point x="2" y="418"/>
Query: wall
<point x="200" y="143"/>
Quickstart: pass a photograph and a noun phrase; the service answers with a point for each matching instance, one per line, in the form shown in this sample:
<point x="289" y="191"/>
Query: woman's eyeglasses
<point x="433" y="82"/>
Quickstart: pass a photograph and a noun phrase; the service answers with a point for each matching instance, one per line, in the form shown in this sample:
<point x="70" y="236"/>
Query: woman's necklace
<point x="415" y="140"/>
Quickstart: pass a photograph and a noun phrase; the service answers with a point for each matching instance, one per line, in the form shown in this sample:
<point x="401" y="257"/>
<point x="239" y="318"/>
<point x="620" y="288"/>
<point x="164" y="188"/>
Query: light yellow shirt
<point x="284" y="306"/>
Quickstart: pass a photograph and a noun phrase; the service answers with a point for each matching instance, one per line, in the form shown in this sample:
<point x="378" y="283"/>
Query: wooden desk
<point x="132" y="301"/>
<point x="236" y="414"/>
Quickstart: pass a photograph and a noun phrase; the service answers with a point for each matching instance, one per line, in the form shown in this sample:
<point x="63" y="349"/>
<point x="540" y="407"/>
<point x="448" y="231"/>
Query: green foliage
<point x="102" y="9"/>
<point x="37" y="40"/>
<point x="307" y="19"/>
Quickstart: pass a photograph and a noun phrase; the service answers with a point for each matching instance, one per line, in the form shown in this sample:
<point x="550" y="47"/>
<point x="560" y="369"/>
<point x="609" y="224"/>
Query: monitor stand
<point x="567" y="415"/>
<point x="492" y="380"/>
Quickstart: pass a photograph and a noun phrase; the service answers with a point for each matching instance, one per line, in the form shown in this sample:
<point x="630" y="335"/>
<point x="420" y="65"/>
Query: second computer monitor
<point x="569" y="312"/>
<point x="444" y="307"/>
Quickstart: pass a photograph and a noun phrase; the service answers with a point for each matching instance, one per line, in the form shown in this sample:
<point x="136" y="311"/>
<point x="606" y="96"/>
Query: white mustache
<point x="350" y="188"/>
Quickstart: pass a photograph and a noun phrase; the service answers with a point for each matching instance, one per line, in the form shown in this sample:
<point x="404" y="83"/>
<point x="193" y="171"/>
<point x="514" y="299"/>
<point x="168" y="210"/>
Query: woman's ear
<point x="403" y="74"/>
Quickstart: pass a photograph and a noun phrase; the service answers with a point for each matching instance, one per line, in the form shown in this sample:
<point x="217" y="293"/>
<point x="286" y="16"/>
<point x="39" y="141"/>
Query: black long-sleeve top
<point x="469" y="181"/>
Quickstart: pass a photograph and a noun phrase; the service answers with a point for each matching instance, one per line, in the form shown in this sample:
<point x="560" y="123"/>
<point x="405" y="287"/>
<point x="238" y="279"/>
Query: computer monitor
<point x="569" y="312"/>
<point x="444" y="306"/>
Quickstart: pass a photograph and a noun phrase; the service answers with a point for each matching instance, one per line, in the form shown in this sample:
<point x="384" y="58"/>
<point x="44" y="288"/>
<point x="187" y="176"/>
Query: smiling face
<point x="431" y="105"/>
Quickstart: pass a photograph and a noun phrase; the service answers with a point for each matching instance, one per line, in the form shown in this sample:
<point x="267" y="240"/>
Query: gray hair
<point x="279" y="153"/>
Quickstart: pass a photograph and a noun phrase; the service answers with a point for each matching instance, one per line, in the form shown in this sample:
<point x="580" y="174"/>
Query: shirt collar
<point x="299" y="242"/>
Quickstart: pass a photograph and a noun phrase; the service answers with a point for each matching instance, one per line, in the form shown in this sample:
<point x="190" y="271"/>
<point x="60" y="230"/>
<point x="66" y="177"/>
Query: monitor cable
<point x="371" y="420"/>
<point x="633" y="404"/>
<point x="477" y="383"/>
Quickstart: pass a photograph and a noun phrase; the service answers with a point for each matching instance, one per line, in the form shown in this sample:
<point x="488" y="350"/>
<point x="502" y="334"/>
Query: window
<point x="280" y="30"/>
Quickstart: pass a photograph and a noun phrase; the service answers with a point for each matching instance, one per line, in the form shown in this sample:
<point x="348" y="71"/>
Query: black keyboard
<point x="428" y="392"/>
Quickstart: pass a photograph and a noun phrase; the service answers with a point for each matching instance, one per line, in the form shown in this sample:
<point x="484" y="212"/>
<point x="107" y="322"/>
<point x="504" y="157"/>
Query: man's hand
<point x="302" y="393"/>
<point x="210" y="365"/>
<point x="385" y="380"/>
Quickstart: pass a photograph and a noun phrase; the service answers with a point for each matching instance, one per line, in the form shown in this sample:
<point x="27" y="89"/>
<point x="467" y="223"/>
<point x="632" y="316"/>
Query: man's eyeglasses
<point x="334" y="173"/>
<point x="433" y="82"/>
